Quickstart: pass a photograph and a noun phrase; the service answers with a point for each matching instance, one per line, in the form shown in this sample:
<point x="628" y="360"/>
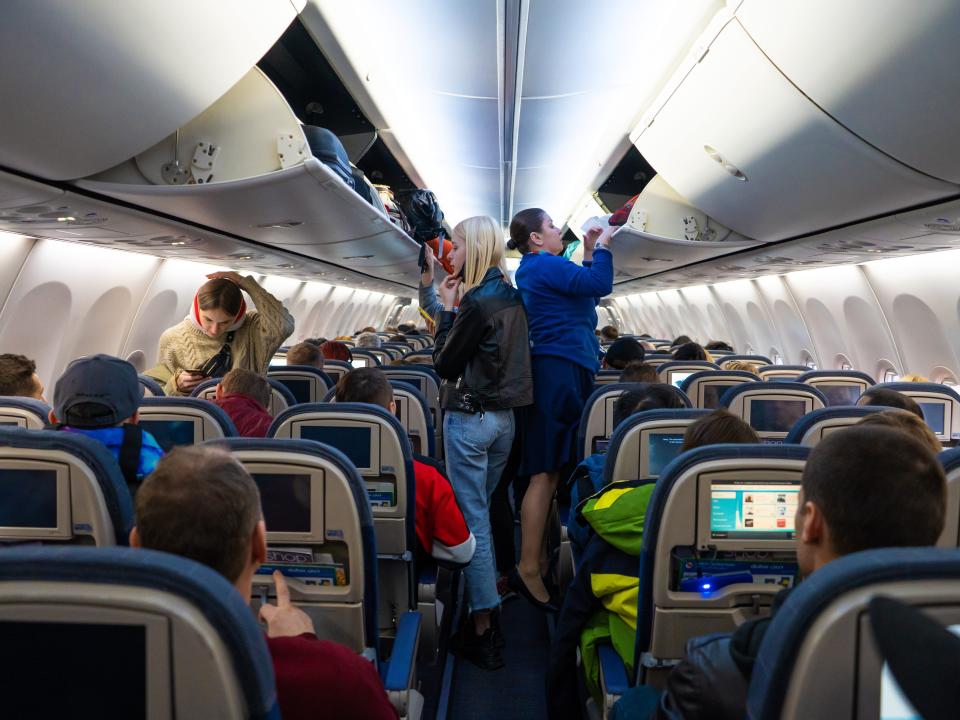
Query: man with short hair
<point x="201" y="503"/>
<point x="890" y="398"/>
<point x="18" y="377"/>
<point x="99" y="396"/>
<point x="305" y="353"/>
<point x="440" y="525"/>
<point x="368" y="340"/>
<point x="245" y="397"/>
<point x="862" y="488"/>
<point x="636" y="371"/>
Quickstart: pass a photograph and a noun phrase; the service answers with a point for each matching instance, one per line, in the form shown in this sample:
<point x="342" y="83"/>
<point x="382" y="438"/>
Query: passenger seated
<point x="621" y="353"/>
<point x="368" y="340"/>
<point x="681" y="340"/>
<point x="718" y="345"/>
<point x="862" y="488"/>
<point x="305" y="353"/>
<point x="316" y="342"/>
<point x="609" y="332"/>
<point x="335" y="350"/>
<point x="245" y="397"/>
<point x="18" y="377"/>
<point x="655" y="396"/>
<point x="742" y="365"/>
<point x="906" y="421"/>
<point x="397" y="339"/>
<point x="201" y="504"/>
<point x="441" y="528"/>
<point x="914" y="378"/>
<point x="407" y="329"/>
<point x="720" y="426"/>
<point x="639" y="372"/>
<point x="99" y="396"/>
<point x="690" y="351"/>
<point x="890" y="398"/>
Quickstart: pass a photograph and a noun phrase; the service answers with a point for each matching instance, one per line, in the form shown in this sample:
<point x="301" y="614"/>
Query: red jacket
<point x="250" y="417"/>
<point x="441" y="529"/>
<point x="323" y="679"/>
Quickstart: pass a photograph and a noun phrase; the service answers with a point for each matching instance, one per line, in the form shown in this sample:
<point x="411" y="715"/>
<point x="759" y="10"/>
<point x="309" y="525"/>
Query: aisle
<point x="516" y="690"/>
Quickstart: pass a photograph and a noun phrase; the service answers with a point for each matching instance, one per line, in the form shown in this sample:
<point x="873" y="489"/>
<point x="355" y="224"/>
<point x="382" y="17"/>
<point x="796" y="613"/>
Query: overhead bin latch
<point x="290" y="150"/>
<point x="204" y="158"/>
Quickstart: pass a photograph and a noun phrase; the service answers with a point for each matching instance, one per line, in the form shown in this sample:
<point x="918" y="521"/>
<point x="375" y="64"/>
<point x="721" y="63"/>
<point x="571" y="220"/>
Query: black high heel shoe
<point x="517" y="584"/>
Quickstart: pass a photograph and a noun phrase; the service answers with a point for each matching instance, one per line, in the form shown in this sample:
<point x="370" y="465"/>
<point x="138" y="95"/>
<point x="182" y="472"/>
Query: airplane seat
<point x="428" y="383"/>
<point x="818" y="657"/>
<point x="758" y="359"/>
<point x="421" y="357"/>
<point x="772" y="408"/>
<point x="394" y="351"/>
<point x="940" y="405"/>
<point x="17" y="411"/>
<point x="783" y="373"/>
<point x="606" y="376"/>
<point x="675" y="372"/>
<point x="705" y="388"/>
<point x="375" y="442"/>
<point x="384" y="356"/>
<point x="184" y="421"/>
<point x="305" y="382"/>
<point x="596" y="420"/>
<point x="658" y="359"/>
<point x="336" y="369"/>
<point x="950" y="460"/>
<point x="366" y="357"/>
<point x="840" y="387"/>
<point x="280" y="399"/>
<point x="130" y="633"/>
<point x="707" y="562"/>
<point x="817" y="424"/>
<point x="151" y="388"/>
<point x="61" y="487"/>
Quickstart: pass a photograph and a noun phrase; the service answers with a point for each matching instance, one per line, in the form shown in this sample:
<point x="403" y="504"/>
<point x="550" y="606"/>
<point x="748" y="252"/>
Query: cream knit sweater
<point x="185" y="346"/>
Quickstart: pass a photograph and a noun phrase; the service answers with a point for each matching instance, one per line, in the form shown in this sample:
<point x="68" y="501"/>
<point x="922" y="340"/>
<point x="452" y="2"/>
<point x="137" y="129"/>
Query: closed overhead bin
<point x="744" y="145"/>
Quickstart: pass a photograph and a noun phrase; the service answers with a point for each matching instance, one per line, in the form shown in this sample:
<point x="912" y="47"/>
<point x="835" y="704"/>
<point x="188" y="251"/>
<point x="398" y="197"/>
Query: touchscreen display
<point x="600" y="444"/>
<point x="677" y="378"/>
<point x="712" y="393"/>
<point x="299" y="388"/>
<point x="933" y="413"/>
<point x="776" y="415"/>
<point x="360" y="362"/>
<point x="840" y="394"/>
<point x="170" y="433"/>
<point x="285" y="500"/>
<point x="28" y="498"/>
<point x="354" y="442"/>
<point x="755" y="509"/>
<point x="663" y="447"/>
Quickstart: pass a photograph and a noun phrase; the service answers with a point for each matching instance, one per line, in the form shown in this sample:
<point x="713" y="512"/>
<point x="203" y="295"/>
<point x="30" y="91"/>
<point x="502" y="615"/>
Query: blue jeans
<point x="477" y="447"/>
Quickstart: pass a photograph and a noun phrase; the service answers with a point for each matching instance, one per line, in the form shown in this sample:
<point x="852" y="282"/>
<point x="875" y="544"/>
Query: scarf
<point x="194" y="316"/>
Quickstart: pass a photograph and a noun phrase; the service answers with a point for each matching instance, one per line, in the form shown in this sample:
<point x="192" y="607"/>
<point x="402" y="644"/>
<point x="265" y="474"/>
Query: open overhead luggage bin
<point x="741" y="143"/>
<point x="90" y="84"/>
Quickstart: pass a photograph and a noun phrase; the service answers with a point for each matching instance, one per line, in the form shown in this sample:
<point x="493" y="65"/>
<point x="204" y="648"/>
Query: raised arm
<point x="592" y="280"/>
<point x="274" y="322"/>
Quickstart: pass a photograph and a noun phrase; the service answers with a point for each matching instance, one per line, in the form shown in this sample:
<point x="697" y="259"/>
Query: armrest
<point x="613" y="673"/>
<point x="400" y="667"/>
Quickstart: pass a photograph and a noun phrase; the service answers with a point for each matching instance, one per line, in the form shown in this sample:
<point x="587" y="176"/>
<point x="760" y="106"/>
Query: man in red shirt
<point x="245" y="397"/>
<point x="441" y="528"/>
<point x="200" y="503"/>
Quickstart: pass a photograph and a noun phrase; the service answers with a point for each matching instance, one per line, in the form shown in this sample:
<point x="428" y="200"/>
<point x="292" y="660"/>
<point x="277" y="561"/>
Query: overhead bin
<point x="887" y="69"/>
<point x="90" y="84"/>
<point x="741" y="143"/>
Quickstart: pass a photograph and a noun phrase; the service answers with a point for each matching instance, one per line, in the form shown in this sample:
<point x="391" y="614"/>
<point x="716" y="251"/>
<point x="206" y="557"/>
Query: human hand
<point x="283" y="619"/>
<point x="448" y="291"/>
<point x="187" y="381"/>
<point x="590" y="238"/>
<point x="228" y="275"/>
<point x="426" y="275"/>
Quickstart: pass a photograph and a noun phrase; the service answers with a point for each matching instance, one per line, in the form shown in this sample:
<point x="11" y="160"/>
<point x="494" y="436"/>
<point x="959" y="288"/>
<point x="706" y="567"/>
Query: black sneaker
<point x="481" y="650"/>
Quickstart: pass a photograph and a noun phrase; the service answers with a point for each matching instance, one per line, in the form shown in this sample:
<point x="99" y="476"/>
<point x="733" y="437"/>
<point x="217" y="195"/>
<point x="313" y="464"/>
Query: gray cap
<point x="101" y="380"/>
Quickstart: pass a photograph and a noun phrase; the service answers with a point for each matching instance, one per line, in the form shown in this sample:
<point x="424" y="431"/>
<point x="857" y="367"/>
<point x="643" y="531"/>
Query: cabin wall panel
<point x="787" y="320"/>
<point x="14" y="250"/>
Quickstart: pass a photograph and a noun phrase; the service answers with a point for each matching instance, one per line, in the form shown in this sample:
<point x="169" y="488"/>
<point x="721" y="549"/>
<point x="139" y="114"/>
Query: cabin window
<point x="843" y="362"/>
<point x="776" y="356"/>
<point x="807" y="359"/>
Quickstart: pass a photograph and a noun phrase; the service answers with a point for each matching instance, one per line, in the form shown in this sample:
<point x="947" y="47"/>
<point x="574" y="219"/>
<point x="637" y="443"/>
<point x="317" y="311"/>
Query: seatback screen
<point x="677" y="378"/>
<point x="170" y="433"/>
<point x="299" y="388"/>
<point x="285" y="500"/>
<point x="601" y="444"/>
<point x="28" y="498"/>
<point x="360" y="362"/>
<point x="840" y="394"/>
<point x="354" y="442"/>
<point x="712" y="392"/>
<point x="663" y="447"/>
<point x="934" y="413"/>
<point x="753" y="509"/>
<point x="776" y="415"/>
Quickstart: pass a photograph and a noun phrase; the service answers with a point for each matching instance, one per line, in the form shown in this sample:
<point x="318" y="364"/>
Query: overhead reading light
<point x="67" y="218"/>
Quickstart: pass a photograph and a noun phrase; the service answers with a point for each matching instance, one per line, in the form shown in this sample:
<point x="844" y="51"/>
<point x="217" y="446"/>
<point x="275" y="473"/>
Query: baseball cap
<point x="97" y="380"/>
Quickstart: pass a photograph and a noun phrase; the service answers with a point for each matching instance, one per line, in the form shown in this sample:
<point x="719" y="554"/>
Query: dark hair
<point x="720" y="426"/>
<point x="89" y="415"/>
<point x="406" y="328"/>
<point x="622" y="352"/>
<point x="655" y="396"/>
<point x="335" y="350"/>
<point x="397" y="339"/>
<point x="609" y="332"/>
<point x="690" y="351"/>
<point x="890" y="398"/>
<point x="718" y="345"/>
<point x="316" y="341"/>
<point x="16" y="375"/>
<point x="525" y="222"/>
<point x="876" y="487"/>
<point x="247" y="383"/>
<point x="305" y="354"/>
<point x="681" y="340"/>
<point x="365" y="385"/>
<point x="637" y="371"/>
<point x="220" y="293"/>
<point x="201" y="504"/>
<point x="908" y="422"/>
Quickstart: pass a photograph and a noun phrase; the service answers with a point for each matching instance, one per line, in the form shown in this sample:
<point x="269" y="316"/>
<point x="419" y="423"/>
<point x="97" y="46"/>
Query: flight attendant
<point x="561" y="298"/>
<point x="219" y="334"/>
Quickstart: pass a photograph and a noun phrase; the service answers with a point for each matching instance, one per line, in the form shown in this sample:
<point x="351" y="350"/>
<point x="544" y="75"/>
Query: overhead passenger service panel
<point x="885" y="69"/>
<point x="738" y="140"/>
<point x="90" y="84"/>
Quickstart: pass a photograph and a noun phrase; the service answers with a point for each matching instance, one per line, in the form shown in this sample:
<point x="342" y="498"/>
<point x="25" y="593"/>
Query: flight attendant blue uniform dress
<point x="561" y="300"/>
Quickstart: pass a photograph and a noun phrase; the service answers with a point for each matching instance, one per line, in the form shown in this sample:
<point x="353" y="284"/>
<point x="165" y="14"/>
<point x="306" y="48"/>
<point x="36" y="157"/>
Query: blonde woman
<point x="482" y="353"/>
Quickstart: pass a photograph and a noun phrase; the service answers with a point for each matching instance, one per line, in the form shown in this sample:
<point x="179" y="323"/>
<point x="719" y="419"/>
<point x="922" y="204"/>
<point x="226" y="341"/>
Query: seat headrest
<point x="814" y="417"/>
<point x="771" y="388"/>
<point x="643" y="418"/>
<point x="217" y="414"/>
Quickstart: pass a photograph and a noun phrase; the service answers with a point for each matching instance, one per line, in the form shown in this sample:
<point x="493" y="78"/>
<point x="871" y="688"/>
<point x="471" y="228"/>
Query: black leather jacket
<point x="485" y="349"/>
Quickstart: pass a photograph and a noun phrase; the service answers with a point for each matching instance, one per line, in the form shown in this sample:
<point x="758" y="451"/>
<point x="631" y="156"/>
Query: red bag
<point x="620" y="216"/>
<point x="443" y="252"/>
